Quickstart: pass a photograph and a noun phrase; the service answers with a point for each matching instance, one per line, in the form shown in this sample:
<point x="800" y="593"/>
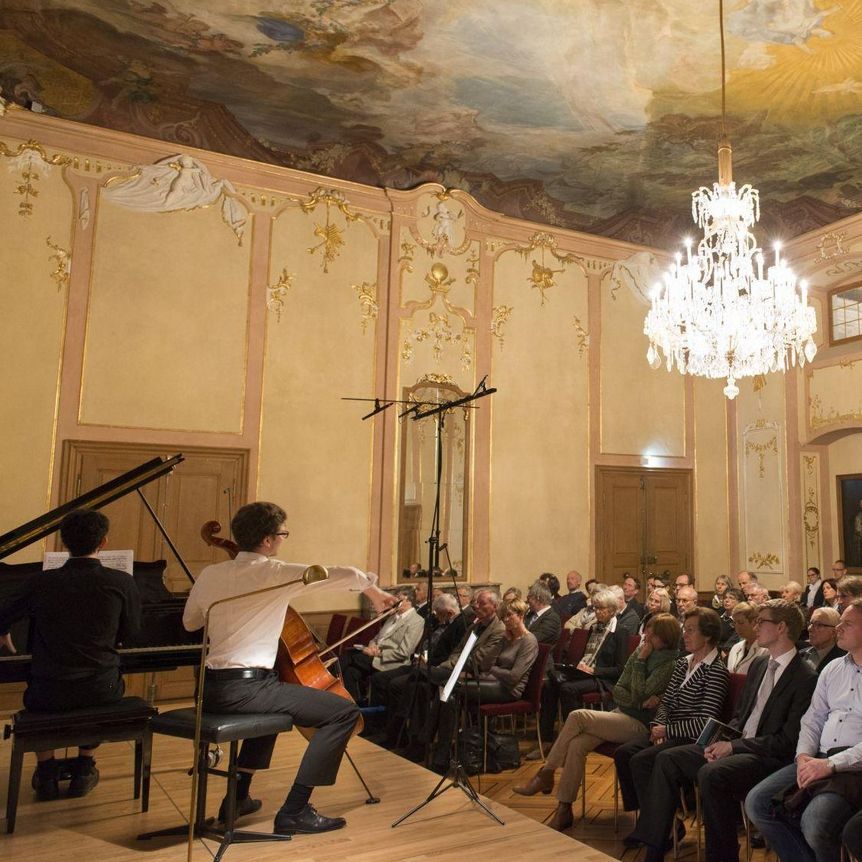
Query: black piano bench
<point x="129" y="719"/>
<point x="216" y="729"/>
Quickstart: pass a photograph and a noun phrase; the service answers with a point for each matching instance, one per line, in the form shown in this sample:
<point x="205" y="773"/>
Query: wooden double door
<point x="643" y="523"/>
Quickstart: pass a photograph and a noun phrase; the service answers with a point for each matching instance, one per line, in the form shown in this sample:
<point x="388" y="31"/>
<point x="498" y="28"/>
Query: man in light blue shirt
<point x="830" y="741"/>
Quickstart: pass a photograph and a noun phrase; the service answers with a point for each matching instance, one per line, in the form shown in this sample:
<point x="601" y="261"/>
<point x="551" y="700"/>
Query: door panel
<point x="643" y="522"/>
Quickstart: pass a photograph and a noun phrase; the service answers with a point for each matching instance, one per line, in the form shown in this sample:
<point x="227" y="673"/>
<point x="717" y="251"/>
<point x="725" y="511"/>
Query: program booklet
<point x="717" y="731"/>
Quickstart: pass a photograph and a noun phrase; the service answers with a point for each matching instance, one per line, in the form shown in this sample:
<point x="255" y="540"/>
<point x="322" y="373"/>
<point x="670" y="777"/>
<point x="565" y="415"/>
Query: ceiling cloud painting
<point x="597" y="115"/>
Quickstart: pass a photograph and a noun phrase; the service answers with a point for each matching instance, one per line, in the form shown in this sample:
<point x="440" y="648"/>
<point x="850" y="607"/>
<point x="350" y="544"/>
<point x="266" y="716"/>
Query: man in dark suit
<point x="631" y="590"/>
<point x="821" y="636"/>
<point x="543" y="620"/>
<point x="812" y="596"/>
<point x="777" y="692"/>
<point x="569" y="605"/>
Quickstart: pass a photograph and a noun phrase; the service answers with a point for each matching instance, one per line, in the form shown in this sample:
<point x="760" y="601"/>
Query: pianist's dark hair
<point x="82" y="531"/>
<point x="253" y="522"/>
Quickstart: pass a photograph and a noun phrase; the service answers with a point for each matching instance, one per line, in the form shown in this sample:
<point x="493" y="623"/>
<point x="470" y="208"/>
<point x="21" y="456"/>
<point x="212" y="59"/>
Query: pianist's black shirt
<point x="80" y="611"/>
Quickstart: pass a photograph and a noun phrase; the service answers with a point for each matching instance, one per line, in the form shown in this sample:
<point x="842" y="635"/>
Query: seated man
<point x="829" y="744"/>
<point x="543" y="621"/>
<point x="243" y="640"/>
<point x="568" y="605"/>
<point x="390" y="649"/>
<point x="80" y="611"/>
<point x="821" y="636"/>
<point x="777" y="692"/>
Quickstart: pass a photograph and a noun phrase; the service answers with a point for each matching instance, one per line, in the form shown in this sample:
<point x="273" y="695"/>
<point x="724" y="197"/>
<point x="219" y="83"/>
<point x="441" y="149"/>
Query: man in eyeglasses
<point x="821" y="636"/>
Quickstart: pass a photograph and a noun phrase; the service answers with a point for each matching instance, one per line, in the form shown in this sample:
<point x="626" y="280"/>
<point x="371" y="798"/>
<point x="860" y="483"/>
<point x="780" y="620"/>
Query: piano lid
<point x="45" y="524"/>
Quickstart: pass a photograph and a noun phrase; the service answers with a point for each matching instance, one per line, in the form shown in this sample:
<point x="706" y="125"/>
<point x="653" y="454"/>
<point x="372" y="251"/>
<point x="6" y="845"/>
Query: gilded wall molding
<point x="276" y="293"/>
<point x="768" y="560"/>
<point x="762" y="450"/>
<point x="330" y="234"/>
<point x="63" y="264"/>
<point x="500" y="315"/>
<point x="366" y="293"/>
<point x="582" y="336"/>
<point x="831" y="245"/>
<point x="31" y="161"/>
<point x="811" y="509"/>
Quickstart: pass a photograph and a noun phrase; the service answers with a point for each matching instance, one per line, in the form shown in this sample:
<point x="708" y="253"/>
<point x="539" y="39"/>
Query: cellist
<point x="243" y="638"/>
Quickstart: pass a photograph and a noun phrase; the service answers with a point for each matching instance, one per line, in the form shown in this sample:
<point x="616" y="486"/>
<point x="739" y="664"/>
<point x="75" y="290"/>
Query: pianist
<point x="80" y="611"/>
<point x="243" y="639"/>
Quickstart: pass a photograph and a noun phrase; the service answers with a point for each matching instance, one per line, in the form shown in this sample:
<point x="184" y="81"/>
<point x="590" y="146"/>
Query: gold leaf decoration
<point x="331" y="236"/>
<point x="761" y="449"/>
<point x="764" y="561"/>
<point x="542" y="276"/>
<point x="277" y="292"/>
<point x="434" y="378"/>
<point x="367" y="295"/>
<point x="31" y="160"/>
<point x="63" y="260"/>
<point x="831" y="245"/>
<point x="818" y="418"/>
<point x="500" y="314"/>
<point x="811" y="519"/>
<point x="582" y="335"/>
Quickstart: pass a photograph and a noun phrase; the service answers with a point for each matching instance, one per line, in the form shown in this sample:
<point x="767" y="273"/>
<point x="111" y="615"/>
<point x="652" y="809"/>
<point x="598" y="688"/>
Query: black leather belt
<point x="230" y="673"/>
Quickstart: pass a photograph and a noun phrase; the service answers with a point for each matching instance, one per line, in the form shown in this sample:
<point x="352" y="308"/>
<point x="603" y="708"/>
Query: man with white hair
<point x="627" y="619"/>
<point x="822" y="637"/>
<point x="543" y="621"/>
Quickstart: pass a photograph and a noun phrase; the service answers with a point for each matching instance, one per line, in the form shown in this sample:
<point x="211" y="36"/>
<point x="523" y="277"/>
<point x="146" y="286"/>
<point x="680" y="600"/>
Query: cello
<point x="298" y="659"/>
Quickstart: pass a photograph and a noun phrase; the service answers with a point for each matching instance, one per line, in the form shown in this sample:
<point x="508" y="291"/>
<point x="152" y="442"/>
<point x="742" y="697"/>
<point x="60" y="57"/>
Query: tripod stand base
<point x="457" y="776"/>
<point x="225" y="837"/>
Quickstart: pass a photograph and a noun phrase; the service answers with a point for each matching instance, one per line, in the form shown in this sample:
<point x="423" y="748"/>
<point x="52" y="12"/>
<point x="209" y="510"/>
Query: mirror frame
<point x="856" y="285"/>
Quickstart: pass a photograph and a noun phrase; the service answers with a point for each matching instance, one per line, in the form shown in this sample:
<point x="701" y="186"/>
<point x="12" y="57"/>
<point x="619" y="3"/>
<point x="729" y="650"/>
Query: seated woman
<point x="830" y="593"/>
<point x="722" y="585"/>
<point x="503" y="683"/>
<point x="745" y="650"/>
<point x="601" y="665"/>
<point x="658" y="602"/>
<point x="586" y="616"/>
<point x="696" y="693"/>
<point x="637" y="694"/>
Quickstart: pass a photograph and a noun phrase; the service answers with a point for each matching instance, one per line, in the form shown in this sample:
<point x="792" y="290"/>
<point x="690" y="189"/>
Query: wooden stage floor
<point x="103" y="826"/>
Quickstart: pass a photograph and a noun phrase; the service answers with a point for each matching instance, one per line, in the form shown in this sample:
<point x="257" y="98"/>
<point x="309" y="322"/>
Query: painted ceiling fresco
<point x="599" y="115"/>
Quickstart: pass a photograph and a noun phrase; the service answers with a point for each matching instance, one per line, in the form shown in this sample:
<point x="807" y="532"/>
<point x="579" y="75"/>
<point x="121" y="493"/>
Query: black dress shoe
<point x="308" y="821"/>
<point x="46" y="781"/>
<point x="85" y="777"/>
<point x="244" y="807"/>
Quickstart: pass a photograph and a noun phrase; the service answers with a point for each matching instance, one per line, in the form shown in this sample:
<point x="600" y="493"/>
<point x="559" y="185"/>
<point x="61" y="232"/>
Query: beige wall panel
<point x="315" y="456"/>
<point x="763" y="479"/>
<point x="845" y="456"/>
<point x="31" y="333"/>
<point x="540" y="513"/>
<point x="643" y="409"/>
<point x="711" y="516"/>
<point x="811" y="511"/>
<point x="166" y="331"/>
<point x="835" y="395"/>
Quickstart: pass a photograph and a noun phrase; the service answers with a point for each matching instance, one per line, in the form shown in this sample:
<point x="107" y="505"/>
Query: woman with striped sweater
<point x="695" y="693"/>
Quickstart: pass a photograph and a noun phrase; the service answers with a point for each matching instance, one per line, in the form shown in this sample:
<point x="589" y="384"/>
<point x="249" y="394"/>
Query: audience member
<point x="830" y="593"/>
<point x="722" y="584"/>
<point x="695" y="694"/>
<point x="502" y="682"/>
<point x="732" y="597"/>
<point x="813" y="595"/>
<point x="839" y="570"/>
<point x="631" y="590"/>
<point x="543" y="621"/>
<point x="686" y="601"/>
<point x="776" y="694"/>
<point x="744" y="578"/>
<point x="743" y="653"/>
<point x="627" y="620"/>
<point x="849" y="588"/>
<point x="576" y="599"/>
<point x="552" y="582"/>
<point x="821" y="636"/>
<point x="792" y="592"/>
<point x="829" y="747"/>
<point x="636" y="694"/>
<point x="423" y="606"/>
<point x="512" y="593"/>
<point x="585" y="617"/>
<point x="598" y="670"/>
<point x="658" y="602"/>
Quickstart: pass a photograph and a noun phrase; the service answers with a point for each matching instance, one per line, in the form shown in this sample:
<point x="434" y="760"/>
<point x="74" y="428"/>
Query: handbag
<point x="503" y="751"/>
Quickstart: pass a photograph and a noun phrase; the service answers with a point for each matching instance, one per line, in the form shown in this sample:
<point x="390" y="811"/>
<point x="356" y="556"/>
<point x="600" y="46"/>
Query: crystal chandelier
<point x="717" y="313"/>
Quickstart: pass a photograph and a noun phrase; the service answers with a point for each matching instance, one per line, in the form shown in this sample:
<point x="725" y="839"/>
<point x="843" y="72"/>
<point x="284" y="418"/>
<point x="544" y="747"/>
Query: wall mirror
<point x="418" y="481"/>
<point x="845" y="313"/>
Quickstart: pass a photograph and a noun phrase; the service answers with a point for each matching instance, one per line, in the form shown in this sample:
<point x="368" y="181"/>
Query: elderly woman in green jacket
<point x="637" y="694"/>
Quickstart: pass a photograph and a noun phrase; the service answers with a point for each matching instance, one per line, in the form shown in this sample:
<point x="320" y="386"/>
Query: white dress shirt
<point x="244" y="633"/>
<point x="834" y="718"/>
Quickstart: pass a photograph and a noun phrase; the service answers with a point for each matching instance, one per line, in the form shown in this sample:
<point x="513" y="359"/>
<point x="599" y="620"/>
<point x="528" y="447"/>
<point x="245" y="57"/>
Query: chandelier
<point x="720" y="311"/>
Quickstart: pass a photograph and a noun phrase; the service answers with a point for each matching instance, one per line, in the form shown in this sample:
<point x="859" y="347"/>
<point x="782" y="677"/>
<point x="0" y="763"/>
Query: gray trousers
<point x="333" y="718"/>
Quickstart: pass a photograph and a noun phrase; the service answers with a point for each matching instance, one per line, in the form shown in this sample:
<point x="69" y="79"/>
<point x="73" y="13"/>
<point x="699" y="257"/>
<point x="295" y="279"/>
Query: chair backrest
<point x="336" y="628"/>
<point x="633" y="644"/>
<point x="561" y="644"/>
<point x="363" y="637"/>
<point x="533" y="689"/>
<point x="578" y="645"/>
<point x="734" y="694"/>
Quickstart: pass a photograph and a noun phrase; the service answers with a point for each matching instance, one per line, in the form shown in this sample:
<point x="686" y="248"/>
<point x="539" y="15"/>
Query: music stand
<point x="456" y="775"/>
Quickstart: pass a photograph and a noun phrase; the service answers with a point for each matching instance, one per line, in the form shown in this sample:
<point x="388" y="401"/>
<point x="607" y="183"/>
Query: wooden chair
<point x="735" y="686"/>
<point x="530" y="704"/>
<point x="336" y="628"/>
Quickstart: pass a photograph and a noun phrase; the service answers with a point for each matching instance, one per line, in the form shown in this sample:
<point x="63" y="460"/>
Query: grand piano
<point x="162" y="643"/>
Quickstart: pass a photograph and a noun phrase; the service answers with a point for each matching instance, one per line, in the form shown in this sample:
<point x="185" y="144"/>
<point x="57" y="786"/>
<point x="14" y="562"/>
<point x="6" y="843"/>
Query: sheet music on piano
<point x="113" y="559"/>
